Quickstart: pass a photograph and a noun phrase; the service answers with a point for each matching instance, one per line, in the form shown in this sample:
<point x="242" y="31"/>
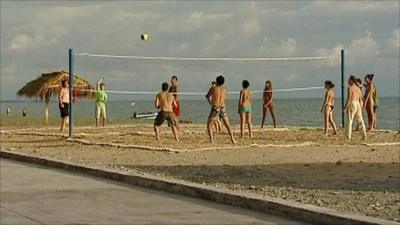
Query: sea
<point x="288" y="112"/>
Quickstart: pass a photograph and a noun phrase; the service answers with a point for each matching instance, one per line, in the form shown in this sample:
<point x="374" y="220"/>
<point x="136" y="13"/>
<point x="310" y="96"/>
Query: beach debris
<point x="252" y="187"/>
<point x="340" y="162"/>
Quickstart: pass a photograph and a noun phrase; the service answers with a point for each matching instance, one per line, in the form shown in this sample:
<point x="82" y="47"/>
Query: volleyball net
<point x="74" y="57"/>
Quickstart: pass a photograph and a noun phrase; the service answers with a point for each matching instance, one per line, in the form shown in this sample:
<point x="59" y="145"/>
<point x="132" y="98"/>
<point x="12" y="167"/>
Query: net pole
<point x="342" y="80"/>
<point x="71" y="85"/>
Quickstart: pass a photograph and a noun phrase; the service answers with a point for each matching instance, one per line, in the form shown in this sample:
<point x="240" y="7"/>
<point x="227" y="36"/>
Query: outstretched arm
<point x="176" y="94"/>
<point x="209" y="94"/>
<point x="367" y="98"/>
<point x="272" y="96"/>
<point x="157" y="102"/>
<point x="325" y="101"/>
<point x="174" y="104"/>
<point x="348" y="98"/>
<point x="98" y="83"/>
<point x="60" y="95"/>
<point x="240" y="101"/>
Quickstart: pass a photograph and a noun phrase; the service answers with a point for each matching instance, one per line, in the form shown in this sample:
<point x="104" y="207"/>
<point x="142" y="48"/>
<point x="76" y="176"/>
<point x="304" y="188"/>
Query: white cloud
<point x="284" y="48"/>
<point x="48" y="25"/>
<point x="359" y="51"/>
<point x="122" y="15"/>
<point x="292" y="77"/>
<point x="20" y="42"/>
<point x="394" y="41"/>
<point x="211" y="41"/>
<point x="199" y="18"/>
<point x="363" y="49"/>
<point x="357" y="6"/>
<point x="181" y="49"/>
<point x="333" y="54"/>
<point x="288" y="48"/>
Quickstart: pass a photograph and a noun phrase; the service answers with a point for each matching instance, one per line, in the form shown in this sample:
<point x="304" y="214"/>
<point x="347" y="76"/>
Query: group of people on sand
<point x="168" y="104"/>
<point x="356" y="102"/>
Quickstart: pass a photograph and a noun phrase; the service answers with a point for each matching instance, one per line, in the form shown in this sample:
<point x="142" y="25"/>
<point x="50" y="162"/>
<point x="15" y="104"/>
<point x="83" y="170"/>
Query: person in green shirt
<point x="101" y="100"/>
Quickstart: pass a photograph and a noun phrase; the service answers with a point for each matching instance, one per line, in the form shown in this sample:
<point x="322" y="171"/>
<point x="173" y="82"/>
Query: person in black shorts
<point x="63" y="105"/>
<point x="165" y="101"/>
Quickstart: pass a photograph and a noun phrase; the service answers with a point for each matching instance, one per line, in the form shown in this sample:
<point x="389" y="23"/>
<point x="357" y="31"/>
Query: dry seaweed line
<point x="167" y="149"/>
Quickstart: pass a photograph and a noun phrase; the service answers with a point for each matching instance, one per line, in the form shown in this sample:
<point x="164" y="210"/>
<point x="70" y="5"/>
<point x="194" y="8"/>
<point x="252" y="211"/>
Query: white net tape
<point x="204" y="58"/>
<point x="203" y="93"/>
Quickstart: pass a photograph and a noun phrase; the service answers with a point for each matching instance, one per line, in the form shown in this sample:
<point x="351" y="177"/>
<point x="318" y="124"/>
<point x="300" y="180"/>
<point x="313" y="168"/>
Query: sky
<point x="36" y="36"/>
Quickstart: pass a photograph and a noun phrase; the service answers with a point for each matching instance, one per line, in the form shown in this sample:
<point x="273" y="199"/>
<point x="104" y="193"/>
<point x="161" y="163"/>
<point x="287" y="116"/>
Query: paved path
<point x="37" y="195"/>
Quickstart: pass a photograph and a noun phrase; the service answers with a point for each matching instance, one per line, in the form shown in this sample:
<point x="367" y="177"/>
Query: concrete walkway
<point x="37" y="195"/>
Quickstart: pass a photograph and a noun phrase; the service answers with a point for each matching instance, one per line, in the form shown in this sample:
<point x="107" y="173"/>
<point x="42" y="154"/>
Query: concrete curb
<point x="279" y="207"/>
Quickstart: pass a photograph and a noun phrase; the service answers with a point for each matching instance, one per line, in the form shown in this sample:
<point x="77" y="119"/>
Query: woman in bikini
<point x="370" y="103"/>
<point x="244" y="108"/>
<point x="268" y="105"/>
<point x="328" y="107"/>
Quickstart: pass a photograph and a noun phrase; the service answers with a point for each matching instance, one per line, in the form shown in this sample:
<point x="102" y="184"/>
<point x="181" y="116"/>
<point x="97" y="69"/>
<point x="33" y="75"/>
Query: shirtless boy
<point x="165" y="101"/>
<point x="217" y="102"/>
<point x="217" y="121"/>
<point x="63" y="103"/>
<point x="353" y="108"/>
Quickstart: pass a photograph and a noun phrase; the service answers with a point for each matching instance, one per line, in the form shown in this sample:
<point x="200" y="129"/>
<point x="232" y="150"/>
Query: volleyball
<point x="144" y="36"/>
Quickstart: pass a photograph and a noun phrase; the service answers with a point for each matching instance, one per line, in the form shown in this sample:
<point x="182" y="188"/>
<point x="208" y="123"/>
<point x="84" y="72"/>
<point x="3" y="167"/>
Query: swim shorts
<point x="162" y="116"/>
<point x="64" y="110"/>
<point x="217" y="112"/>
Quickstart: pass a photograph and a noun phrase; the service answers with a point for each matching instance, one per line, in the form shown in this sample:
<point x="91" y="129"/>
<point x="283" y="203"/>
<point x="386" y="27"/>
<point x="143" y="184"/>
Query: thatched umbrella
<point x="49" y="84"/>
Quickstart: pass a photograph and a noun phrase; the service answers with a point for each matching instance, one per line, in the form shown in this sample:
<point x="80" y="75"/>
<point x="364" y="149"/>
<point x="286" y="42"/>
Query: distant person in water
<point x="174" y="90"/>
<point x="244" y="108"/>
<point x="217" y="121"/>
<point x="63" y="103"/>
<point x="165" y="101"/>
<point x="328" y="107"/>
<point x="371" y="101"/>
<point x="101" y="100"/>
<point x="24" y="112"/>
<point x="218" y="110"/>
<point x="267" y="104"/>
<point x="8" y="111"/>
<point x="353" y="108"/>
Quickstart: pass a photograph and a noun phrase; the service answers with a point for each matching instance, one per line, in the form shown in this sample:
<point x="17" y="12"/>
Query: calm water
<point x="293" y="112"/>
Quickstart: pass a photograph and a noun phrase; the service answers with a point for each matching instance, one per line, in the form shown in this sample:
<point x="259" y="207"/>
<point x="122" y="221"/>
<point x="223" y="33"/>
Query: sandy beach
<point x="299" y="164"/>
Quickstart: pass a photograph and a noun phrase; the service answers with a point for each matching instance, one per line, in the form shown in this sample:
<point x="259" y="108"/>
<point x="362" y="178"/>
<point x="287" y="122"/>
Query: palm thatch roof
<point x="49" y="84"/>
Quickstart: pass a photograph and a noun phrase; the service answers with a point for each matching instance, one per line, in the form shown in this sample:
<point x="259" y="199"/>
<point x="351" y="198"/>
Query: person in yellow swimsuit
<point x="101" y="100"/>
